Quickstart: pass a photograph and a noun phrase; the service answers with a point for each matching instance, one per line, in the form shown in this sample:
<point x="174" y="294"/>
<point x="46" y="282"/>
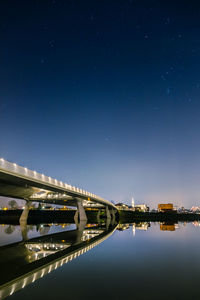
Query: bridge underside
<point x="15" y="187"/>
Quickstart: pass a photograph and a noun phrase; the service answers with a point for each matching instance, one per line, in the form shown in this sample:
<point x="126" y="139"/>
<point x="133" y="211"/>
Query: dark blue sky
<point x="104" y="95"/>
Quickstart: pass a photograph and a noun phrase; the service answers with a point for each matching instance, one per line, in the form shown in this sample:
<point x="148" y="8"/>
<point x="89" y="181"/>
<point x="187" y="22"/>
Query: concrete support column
<point x="80" y="214"/>
<point x="24" y="216"/>
<point x="98" y="216"/>
<point x="113" y="216"/>
<point x="23" y="220"/>
<point x="108" y="221"/>
<point x="80" y="229"/>
<point x="108" y="216"/>
<point x="80" y="219"/>
<point x="112" y="213"/>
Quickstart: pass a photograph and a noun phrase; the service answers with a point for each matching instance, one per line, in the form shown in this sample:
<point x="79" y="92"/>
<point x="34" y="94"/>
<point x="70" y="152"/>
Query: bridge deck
<point x="19" y="182"/>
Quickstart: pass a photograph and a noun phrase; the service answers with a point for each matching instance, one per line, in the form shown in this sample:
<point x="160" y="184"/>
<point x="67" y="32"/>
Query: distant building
<point x="165" y="207"/>
<point x="181" y="209"/>
<point x="122" y="206"/>
<point x="195" y="209"/>
<point x="141" y="208"/>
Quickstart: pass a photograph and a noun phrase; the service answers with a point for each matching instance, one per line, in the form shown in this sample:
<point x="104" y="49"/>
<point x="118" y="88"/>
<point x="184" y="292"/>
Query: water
<point x="146" y="261"/>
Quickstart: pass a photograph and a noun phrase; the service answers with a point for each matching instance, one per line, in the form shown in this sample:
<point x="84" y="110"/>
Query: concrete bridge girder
<point x="19" y="182"/>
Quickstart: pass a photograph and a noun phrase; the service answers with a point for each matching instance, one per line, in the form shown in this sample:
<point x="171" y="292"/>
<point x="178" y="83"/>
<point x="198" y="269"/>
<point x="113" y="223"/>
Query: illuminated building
<point x="133" y="202"/>
<point x="122" y="206"/>
<point x="141" y="208"/>
<point x="165" y="207"/>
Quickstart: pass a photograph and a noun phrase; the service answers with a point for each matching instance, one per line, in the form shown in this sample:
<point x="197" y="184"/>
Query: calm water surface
<point x="147" y="261"/>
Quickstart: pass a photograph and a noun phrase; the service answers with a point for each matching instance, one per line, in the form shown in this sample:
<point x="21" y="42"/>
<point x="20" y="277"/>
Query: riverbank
<point x="67" y="216"/>
<point x="132" y="216"/>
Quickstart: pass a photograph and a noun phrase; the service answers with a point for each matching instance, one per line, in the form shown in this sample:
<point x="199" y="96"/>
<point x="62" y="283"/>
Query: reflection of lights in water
<point x="142" y="226"/>
<point x="34" y="276"/>
<point x="50" y="268"/>
<point x="13" y="289"/>
<point x="28" y="279"/>
<point x="133" y="229"/>
<point x="196" y="223"/>
<point x="25" y="280"/>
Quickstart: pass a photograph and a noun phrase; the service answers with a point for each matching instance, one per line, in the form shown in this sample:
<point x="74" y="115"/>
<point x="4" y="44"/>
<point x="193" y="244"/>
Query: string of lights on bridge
<point x="25" y="172"/>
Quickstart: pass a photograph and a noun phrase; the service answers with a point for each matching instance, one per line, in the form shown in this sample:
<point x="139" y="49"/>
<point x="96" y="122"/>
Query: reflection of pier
<point x="39" y="256"/>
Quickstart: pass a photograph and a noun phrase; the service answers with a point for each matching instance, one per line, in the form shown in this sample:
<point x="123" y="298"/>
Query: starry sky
<point x="104" y="95"/>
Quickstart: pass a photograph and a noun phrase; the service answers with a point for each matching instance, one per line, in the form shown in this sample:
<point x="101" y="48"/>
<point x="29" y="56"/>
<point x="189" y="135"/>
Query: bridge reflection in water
<point x="31" y="260"/>
<point x="24" y="262"/>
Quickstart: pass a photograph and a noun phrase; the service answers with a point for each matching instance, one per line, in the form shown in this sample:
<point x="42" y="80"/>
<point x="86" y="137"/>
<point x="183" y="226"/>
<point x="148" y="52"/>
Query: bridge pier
<point x="113" y="216"/>
<point x="80" y="229"/>
<point x="23" y="220"/>
<point x="113" y="213"/>
<point x="98" y="216"/>
<point x="108" y="222"/>
<point x="108" y="216"/>
<point x="80" y="214"/>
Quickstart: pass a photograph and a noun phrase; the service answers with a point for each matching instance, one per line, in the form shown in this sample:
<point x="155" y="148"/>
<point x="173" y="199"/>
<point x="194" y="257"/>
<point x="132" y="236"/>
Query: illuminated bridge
<point x="40" y="256"/>
<point x="22" y="183"/>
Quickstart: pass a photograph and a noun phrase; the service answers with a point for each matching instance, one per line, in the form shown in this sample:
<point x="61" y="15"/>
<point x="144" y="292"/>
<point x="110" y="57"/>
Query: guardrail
<point x="13" y="168"/>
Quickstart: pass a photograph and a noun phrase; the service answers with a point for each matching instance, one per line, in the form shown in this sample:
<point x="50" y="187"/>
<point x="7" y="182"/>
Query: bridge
<point x="38" y="257"/>
<point x="22" y="183"/>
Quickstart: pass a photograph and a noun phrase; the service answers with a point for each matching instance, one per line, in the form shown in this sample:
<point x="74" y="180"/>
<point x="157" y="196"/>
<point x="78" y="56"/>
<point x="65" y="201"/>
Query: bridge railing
<point x="26" y="173"/>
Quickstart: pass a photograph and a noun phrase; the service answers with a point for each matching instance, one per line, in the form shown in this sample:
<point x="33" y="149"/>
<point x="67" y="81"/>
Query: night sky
<point x="104" y="95"/>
